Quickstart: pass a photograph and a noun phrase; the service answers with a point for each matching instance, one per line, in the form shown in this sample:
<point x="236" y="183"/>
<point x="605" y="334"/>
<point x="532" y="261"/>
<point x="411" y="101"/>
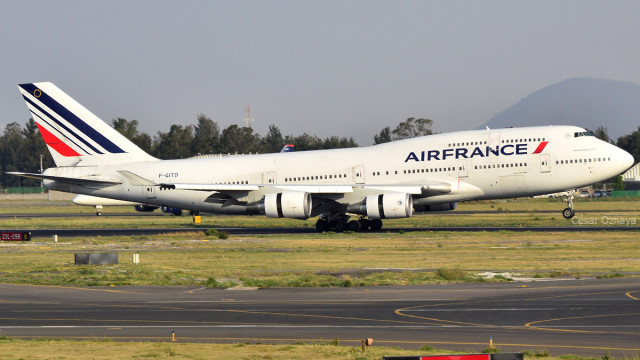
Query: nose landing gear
<point x="569" y="212"/>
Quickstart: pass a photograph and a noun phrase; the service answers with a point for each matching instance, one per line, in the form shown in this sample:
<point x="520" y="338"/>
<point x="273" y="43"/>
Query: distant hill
<point x="583" y="102"/>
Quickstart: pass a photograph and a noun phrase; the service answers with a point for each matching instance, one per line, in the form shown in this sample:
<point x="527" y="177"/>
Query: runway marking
<point x="402" y="311"/>
<point x="358" y="341"/>
<point x="194" y="290"/>
<point x="172" y="322"/>
<point x="631" y="296"/>
<point x="77" y="288"/>
<point x="530" y="324"/>
<point x="324" y="316"/>
<point x="571" y="295"/>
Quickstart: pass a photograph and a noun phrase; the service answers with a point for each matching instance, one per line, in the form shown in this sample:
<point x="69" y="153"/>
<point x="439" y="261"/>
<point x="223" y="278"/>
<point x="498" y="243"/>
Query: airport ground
<point x="356" y="262"/>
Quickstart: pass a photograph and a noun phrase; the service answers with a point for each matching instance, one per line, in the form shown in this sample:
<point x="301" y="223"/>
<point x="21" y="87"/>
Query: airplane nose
<point x="626" y="160"/>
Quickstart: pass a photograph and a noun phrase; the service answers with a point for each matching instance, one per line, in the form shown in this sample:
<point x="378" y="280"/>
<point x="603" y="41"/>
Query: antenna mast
<point x="248" y="119"/>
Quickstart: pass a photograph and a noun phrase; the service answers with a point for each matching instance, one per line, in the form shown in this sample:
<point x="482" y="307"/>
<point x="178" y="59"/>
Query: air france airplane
<point x="349" y="189"/>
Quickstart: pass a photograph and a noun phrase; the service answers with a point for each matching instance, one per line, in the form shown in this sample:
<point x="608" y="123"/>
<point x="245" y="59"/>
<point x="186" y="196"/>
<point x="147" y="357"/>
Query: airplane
<point x="287" y="148"/>
<point x="348" y="189"/>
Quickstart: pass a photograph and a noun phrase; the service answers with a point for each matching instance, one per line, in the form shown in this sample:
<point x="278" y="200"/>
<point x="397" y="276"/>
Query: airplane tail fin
<point x="73" y="134"/>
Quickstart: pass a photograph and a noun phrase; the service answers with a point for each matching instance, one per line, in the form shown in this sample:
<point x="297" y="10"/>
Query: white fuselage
<point x="481" y="164"/>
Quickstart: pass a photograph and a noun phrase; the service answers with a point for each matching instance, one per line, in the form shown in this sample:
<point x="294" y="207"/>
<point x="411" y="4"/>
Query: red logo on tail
<point x="55" y="143"/>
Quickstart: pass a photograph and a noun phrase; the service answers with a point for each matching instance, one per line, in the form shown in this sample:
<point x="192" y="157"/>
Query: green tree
<point x="335" y="142"/>
<point x="176" y="144"/>
<point x="601" y="133"/>
<point x="239" y="140"/>
<point x="273" y="141"/>
<point x="618" y="183"/>
<point x="207" y="136"/>
<point x="383" y="137"/>
<point x="305" y="142"/>
<point x="130" y="130"/>
<point x="13" y="148"/>
<point x="412" y="128"/>
<point x="34" y="146"/>
<point x="631" y="143"/>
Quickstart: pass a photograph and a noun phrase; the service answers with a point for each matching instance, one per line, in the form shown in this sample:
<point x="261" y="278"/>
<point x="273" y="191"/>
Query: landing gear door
<point x="358" y="174"/>
<point x="545" y="165"/>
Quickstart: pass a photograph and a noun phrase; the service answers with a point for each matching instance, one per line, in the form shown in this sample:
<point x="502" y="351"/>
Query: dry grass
<point x="105" y="349"/>
<point x="321" y="260"/>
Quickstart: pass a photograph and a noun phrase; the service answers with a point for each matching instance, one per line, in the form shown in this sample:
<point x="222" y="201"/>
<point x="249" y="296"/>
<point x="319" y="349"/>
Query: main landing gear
<point x="341" y="222"/>
<point x="569" y="212"/>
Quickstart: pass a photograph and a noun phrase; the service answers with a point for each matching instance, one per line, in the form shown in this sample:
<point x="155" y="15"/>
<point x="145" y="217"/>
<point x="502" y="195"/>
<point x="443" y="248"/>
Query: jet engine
<point x="384" y="206"/>
<point x="289" y="204"/>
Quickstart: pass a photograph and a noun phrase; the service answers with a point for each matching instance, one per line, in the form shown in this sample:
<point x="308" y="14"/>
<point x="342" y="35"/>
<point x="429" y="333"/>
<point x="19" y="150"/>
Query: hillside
<point x="584" y="102"/>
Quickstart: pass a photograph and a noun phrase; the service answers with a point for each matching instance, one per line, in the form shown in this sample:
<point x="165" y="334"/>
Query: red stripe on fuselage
<point x="57" y="144"/>
<point x="541" y="147"/>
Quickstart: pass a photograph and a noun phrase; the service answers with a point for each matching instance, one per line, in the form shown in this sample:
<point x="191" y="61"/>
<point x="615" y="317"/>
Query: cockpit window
<point x="583" y="133"/>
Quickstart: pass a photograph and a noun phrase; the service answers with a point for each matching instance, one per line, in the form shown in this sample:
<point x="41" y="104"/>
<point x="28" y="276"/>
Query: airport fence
<point x="625" y="193"/>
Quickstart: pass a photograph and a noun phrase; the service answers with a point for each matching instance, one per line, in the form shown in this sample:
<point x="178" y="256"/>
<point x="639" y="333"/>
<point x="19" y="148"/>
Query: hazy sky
<point x="346" y="68"/>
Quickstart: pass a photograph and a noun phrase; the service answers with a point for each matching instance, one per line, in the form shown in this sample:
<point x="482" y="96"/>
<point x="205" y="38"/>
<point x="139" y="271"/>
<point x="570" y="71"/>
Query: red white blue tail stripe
<point x="62" y="129"/>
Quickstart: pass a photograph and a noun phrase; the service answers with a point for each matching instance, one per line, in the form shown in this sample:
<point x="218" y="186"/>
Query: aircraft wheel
<point x="340" y="226"/>
<point x="376" y="225"/>
<point x="365" y="224"/>
<point x="353" y="225"/>
<point x="98" y="213"/>
<point x="322" y="225"/>
<point x="568" y="213"/>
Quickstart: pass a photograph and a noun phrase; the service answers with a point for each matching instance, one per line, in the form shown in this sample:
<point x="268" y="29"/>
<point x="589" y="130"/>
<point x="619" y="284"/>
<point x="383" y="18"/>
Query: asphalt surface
<point x="583" y="317"/>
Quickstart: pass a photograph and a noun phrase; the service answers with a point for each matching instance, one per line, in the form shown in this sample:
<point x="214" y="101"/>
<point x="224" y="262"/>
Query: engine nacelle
<point x="389" y="206"/>
<point x="436" y="207"/>
<point x="289" y="204"/>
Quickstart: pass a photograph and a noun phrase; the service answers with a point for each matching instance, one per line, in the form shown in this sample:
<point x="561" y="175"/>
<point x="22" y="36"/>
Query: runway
<point x="583" y="317"/>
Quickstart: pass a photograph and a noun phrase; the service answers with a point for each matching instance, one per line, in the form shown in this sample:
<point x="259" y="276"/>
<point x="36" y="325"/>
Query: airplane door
<point x="269" y="178"/>
<point x="494" y="139"/>
<point x="358" y="174"/>
<point x="149" y="191"/>
<point x="462" y="168"/>
<point x="545" y="165"/>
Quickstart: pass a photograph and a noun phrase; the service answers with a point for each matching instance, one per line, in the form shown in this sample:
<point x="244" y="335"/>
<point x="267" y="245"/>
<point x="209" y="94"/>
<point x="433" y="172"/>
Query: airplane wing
<point x="68" y="180"/>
